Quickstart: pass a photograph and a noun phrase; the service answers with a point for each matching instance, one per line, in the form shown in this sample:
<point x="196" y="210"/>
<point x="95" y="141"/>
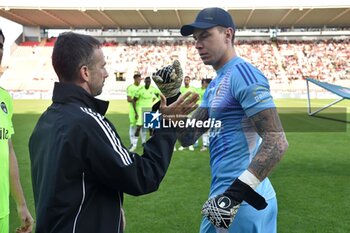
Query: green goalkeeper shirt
<point x="6" y="130"/>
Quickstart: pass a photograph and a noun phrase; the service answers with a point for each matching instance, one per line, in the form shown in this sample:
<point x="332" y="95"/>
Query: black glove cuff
<point x="240" y="191"/>
<point x="169" y="101"/>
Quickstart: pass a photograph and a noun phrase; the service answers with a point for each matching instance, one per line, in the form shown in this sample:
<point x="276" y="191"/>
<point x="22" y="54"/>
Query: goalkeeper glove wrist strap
<point x="240" y="191"/>
<point x="248" y="178"/>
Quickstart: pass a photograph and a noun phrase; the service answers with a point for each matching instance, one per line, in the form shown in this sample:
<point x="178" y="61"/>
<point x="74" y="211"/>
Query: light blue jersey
<point x="239" y="91"/>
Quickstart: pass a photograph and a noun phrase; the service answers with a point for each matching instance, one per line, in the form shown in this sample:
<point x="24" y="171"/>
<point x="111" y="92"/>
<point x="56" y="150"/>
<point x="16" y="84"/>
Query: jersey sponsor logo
<point x="4" y="134"/>
<point x="3" y="107"/>
<point x="261" y="94"/>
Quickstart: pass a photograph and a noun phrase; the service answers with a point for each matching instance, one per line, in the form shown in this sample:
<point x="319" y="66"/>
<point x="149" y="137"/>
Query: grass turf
<point x="311" y="180"/>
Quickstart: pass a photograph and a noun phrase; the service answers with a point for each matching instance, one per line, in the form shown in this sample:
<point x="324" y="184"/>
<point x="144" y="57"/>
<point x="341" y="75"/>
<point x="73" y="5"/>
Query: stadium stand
<point x="326" y="60"/>
<point x="293" y="44"/>
<point x="285" y="63"/>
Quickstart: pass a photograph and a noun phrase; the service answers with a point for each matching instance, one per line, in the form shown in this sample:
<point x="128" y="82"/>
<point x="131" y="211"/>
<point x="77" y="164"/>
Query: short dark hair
<point x="137" y="75"/>
<point x="71" y="51"/>
<point x="206" y="80"/>
<point x="1" y="45"/>
<point x="148" y="78"/>
<point x="222" y="29"/>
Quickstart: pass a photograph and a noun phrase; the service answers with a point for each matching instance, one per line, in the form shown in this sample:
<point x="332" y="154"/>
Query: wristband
<point x="248" y="178"/>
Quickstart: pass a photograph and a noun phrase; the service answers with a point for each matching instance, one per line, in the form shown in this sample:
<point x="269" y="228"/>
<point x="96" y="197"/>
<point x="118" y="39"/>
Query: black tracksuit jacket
<point x="80" y="168"/>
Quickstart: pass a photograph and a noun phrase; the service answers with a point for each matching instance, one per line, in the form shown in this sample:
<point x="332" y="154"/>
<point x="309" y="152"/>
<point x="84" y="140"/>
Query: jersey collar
<point x="71" y="93"/>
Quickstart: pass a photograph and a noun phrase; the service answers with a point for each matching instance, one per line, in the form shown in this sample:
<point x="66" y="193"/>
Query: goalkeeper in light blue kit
<point x="251" y="140"/>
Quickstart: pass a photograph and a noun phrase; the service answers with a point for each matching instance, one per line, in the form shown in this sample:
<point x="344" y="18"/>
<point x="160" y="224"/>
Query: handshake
<point x="169" y="79"/>
<point x="172" y="105"/>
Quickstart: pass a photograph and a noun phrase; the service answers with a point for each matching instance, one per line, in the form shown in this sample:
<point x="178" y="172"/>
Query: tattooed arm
<point x="188" y="136"/>
<point x="274" y="142"/>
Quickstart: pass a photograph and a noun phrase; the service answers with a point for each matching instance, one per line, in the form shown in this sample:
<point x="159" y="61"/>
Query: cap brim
<point x="188" y="29"/>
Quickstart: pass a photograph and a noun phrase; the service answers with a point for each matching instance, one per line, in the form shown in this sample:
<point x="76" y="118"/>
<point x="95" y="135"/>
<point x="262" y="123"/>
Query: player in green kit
<point x="9" y="175"/>
<point x="200" y="91"/>
<point x="187" y="87"/>
<point x="131" y="91"/>
<point x="143" y="101"/>
<point x="183" y="90"/>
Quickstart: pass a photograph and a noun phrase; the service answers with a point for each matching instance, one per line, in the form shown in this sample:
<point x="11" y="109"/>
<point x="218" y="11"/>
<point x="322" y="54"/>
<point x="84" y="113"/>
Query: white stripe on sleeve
<point x="124" y="155"/>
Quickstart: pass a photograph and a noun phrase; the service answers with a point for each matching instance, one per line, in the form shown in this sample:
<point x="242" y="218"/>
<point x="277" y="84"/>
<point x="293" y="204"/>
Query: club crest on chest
<point x="3" y="107"/>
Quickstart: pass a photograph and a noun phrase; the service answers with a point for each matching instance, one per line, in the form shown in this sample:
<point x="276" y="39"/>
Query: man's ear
<point x="230" y="33"/>
<point x="84" y="73"/>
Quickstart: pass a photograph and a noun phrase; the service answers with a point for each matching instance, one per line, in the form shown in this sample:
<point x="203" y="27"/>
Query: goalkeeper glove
<point x="222" y="209"/>
<point x="169" y="79"/>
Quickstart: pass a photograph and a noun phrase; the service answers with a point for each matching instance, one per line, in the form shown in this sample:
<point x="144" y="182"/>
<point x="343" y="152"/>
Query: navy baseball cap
<point x="208" y="18"/>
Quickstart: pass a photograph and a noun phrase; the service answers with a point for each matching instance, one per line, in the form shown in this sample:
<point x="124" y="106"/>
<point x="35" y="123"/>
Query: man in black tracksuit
<point x="80" y="168"/>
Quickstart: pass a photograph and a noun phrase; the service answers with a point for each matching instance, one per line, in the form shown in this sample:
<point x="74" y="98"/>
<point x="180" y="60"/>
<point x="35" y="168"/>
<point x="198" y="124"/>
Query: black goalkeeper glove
<point x="169" y="79"/>
<point x="222" y="209"/>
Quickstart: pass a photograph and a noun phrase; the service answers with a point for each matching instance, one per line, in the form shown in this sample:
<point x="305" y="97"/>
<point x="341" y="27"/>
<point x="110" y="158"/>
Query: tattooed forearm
<point x="188" y="136"/>
<point x="274" y="142"/>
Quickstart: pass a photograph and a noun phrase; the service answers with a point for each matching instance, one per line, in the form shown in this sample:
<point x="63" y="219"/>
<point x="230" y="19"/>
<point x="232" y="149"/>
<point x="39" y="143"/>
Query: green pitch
<point x="311" y="181"/>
